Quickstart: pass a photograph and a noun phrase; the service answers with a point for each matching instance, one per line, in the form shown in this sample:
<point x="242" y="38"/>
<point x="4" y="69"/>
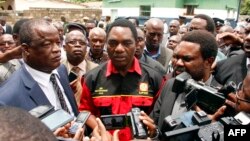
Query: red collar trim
<point x="134" y="68"/>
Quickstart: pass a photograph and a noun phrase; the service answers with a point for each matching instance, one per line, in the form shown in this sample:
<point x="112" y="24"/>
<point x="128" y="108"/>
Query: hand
<point x="101" y="134"/>
<point x="216" y="115"/>
<point x="149" y="123"/>
<point x="64" y="133"/>
<point x="229" y="38"/>
<point x="14" y="53"/>
<point x="232" y="101"/>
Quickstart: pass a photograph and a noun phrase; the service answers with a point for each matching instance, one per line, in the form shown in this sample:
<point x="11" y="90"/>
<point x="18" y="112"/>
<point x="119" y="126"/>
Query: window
<point x="145" y="10"/>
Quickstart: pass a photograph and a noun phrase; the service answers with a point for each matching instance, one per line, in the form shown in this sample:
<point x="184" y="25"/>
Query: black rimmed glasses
<point x="240" y="94"/>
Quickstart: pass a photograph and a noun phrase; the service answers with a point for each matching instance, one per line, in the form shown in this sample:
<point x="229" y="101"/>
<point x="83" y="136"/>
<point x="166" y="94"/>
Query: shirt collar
<point x="81" y="66"/>
<point x="209" y="81"/>
<point x="41" y="77"/>
<point x="154" y="56"/>
<point x="134" y="68"/>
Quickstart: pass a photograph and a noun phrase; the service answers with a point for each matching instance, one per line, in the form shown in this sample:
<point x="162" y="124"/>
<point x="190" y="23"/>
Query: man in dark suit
<point x="234" y="68"/>
<point x="7" y="28"/>
<point x="32" y="86"/>
<point x="195" y="54"/>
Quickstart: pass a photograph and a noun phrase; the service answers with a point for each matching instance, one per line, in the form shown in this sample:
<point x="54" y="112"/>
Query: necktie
<point x="59" y="93"/>
<point x="76" y="70"/>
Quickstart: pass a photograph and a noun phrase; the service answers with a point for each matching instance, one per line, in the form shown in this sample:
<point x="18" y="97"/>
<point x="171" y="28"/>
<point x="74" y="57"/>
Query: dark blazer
<point x="22" y="91"/>
<point x="231" y="69"/>
<point x="8" y="29"/>
<point x="164" y="105"/>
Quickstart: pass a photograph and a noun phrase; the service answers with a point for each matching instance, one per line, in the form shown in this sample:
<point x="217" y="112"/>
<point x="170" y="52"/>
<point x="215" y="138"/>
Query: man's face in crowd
<point x="154" y="34"/>
<point x="141" y="43"/>
<point x="173" y="42"/>
<point x="197" y="24"/>
<point x="44" y="53"/>
<point x="121" y="47"/>
<point x="97" y="41"/>
<point x="6" y="42"/>
<point x="89" y="26"/>
<point x="187" y="57"/>
<point x="182" y="31"/>
<point x="75" y="46"/>
<point x="60" y="31"/>
<point x="173" y="27"/>
<point x="240" y="32"/>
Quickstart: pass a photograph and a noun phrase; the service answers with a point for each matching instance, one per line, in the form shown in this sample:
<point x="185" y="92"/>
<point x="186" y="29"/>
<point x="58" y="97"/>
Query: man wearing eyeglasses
<point x="7" y="68"/>
<point x="76" y="64"/>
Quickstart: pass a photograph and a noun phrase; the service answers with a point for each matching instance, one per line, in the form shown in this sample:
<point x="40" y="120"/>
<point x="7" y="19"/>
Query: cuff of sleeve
<point x="156" y="135"/>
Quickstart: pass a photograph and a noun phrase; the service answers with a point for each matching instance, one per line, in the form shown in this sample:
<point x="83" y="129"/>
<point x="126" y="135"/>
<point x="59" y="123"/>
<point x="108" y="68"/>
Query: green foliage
<point x="245" y="7"/>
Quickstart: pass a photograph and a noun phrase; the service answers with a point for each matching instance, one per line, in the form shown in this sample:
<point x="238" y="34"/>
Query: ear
<point x="25" y="49"/>
<point x="209" y="62"/>
<point x="15" y="36"/>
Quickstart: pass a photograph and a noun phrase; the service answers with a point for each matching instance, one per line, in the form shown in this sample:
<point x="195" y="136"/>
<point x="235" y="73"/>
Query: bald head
<point x="226" y="28"/>
<point x="97" y="31"/>
<point x="154" y="33"/>
<point x="97" y="39"/>
<point x="174" y="27"/>
<point x="74" y="33"/>
<point x="155" y="23"/>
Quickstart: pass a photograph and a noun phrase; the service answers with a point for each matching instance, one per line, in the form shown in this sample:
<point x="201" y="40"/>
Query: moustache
<point x="179" y="69"/>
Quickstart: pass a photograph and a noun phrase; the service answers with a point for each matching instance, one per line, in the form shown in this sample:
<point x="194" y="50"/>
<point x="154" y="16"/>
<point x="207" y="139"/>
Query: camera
<point x="207" y="97"/>
<point x="199" y="127"/>
<point x="130" y="119"/>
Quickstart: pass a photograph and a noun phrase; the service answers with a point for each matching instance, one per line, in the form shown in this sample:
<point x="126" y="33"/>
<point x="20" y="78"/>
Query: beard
<point x="196" y="74"/>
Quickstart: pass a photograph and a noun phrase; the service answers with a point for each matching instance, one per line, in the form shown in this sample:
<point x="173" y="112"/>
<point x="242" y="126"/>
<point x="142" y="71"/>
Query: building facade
<point x="223" y="9"/>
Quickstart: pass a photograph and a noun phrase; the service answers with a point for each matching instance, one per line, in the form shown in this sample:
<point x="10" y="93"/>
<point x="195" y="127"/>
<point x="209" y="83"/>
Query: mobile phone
<point x="114" y="121"/>
<point x="79" y="122"/>
<point x="41" y="111"/>
<point x="57" y="119"/>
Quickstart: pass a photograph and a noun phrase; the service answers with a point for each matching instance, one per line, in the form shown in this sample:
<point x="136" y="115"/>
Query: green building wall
<point x="201" y="4"/>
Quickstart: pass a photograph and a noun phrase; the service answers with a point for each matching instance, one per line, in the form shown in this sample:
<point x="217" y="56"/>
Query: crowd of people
<point x="110" y="69"/>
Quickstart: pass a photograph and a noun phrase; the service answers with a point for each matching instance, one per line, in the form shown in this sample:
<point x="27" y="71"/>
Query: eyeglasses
<point x="10" y="43"/>
<point x="239" y="94"/>
<point x="74" y="42"/>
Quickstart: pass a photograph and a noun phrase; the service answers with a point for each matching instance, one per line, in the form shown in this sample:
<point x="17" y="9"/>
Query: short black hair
<point x="210" y="22"/>
<point x="27" y="32"/>
<point x="18" y="125"/>
<point x="206" y="40"/>
<point x="17" y="25"/>
<point x="136" y="20"/>
<point x="123" y="23"/>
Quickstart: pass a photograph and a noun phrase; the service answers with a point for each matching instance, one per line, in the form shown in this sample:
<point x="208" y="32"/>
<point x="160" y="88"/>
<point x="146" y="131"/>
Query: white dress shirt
<point x="43" y="80"/>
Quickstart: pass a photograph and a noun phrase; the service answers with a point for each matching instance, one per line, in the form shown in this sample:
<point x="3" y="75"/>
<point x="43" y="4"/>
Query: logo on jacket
<point x="143" y="88"/>
<point x="101" y="91"/>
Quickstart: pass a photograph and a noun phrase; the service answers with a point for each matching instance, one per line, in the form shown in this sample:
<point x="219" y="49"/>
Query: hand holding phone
<point x="57" y="119"/>
<point x="79" y="122"/>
